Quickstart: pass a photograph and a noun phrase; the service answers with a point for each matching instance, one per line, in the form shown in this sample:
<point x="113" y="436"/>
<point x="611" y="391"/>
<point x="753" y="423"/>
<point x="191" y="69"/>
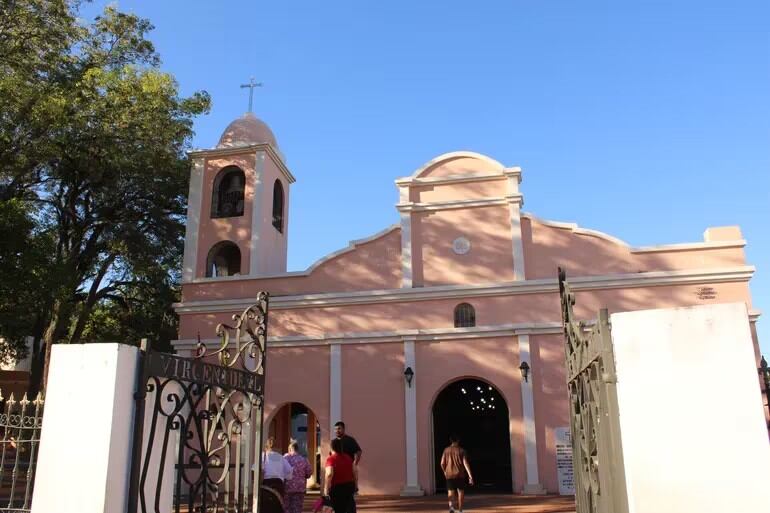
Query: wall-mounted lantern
<point x="409" y="376"/>
<point x="524" y="368"/>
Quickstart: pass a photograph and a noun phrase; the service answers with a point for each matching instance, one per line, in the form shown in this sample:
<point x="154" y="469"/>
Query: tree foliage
<point x="92" y="169"/>
<point x="25" y="261"/>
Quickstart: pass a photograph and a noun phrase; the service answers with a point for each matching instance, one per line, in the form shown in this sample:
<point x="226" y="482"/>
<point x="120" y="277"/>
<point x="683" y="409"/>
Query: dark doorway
<point x="295" y="421"/>
<point x="477" y="413"/>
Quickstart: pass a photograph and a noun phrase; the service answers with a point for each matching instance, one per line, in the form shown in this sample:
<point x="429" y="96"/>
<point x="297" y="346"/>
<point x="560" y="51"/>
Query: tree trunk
<point x="36" y="366"/>
<point x="80" y="324"/>
<point x="38" y="353"/>
<point x="93" y="296"/>
<point x="60" y="314"/>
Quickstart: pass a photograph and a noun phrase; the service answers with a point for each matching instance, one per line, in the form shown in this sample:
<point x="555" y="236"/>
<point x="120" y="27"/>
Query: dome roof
<point x="247" y="129"/>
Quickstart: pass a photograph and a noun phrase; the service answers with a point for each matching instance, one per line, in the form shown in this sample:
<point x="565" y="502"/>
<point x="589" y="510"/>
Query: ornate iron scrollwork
<point x="600" y="485"/>
<point x="204" y="415"/>
<point x="243" y="344"/>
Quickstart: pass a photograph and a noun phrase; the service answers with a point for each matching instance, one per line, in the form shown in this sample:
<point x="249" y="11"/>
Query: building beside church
<point x="425" y="327"/>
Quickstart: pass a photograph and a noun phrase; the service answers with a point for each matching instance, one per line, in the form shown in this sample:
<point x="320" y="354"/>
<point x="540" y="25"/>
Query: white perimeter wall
<point x="692" y="425"/>
<point x="84" y="461"/>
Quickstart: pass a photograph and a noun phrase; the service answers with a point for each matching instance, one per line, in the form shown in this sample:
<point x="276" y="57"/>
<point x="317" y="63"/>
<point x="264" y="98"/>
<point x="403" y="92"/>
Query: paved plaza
<point x="473" y="504"/>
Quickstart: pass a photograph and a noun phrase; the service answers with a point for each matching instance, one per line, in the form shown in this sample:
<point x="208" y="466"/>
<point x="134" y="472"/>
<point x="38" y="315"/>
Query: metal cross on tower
<point x="251" y="85"/>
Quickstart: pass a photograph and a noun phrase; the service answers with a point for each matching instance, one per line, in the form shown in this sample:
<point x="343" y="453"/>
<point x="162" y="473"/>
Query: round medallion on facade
<point x="461" y="245"/>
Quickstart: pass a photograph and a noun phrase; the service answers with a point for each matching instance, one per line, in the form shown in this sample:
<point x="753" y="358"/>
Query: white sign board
<point x="564" y="470"/>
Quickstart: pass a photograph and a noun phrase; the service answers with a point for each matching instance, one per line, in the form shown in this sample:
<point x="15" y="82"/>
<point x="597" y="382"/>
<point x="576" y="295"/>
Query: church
<point x="446" y="322"/>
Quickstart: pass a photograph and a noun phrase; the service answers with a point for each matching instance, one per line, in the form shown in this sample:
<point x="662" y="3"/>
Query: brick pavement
<point x="473" y="504"/>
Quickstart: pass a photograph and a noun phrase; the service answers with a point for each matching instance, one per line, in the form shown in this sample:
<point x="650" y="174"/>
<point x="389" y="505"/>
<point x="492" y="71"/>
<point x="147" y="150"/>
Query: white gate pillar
<point x="85" y="448"/>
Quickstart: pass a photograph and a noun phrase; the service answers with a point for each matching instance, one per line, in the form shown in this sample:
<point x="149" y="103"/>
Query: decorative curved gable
<point x="372" y="262"/>
<point x="352" y="246"/>
<point x="585" y="252"/>
<point x="456" y="164"/>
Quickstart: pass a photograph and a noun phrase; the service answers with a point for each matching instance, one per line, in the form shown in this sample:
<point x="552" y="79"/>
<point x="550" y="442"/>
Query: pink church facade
<point x="344" y="332"/>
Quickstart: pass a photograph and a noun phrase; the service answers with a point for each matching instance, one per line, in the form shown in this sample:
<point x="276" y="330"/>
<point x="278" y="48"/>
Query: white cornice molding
<point x="541" y="286"/>
<point x="443" y="180"/>
<point x="514" y="172"/>
<point x="413" y="335"/>
<point x="667" y="248"/>
<point x="399" y="336"/>
<point x="662" y="248"/>
<point x="247" y="148"/>
<point x="454" y="204"/>
<point x="219" y="279"/>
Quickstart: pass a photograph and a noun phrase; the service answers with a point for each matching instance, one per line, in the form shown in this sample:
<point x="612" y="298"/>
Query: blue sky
<point x="646" y="120"/>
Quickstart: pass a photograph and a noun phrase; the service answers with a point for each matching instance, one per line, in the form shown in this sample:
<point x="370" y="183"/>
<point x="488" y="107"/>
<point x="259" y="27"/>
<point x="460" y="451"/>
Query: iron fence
<point x="20" y="424"/>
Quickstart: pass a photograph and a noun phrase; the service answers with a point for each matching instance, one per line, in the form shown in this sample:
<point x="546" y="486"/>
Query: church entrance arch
<point x="475" y="411"/>
<point x="295" y="421"/>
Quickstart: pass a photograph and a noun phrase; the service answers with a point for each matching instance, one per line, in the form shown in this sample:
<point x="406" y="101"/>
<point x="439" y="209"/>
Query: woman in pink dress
<point x="294" y="494"/>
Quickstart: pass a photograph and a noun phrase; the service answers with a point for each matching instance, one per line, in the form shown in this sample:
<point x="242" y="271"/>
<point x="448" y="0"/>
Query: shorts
<point x="457" y="483"/>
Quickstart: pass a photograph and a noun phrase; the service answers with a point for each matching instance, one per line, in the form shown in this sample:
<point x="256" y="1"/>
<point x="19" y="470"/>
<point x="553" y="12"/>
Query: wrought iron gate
<point x="600" y="483"/>
<point x="198" y="426"/>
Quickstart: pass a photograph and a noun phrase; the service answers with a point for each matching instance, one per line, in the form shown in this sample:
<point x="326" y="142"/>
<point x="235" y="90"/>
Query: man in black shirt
<point x="349" y="444"/>
<point x="352" y="449"/>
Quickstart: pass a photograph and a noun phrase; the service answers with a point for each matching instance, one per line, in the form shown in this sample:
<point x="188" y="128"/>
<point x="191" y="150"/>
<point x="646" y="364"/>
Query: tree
<point x="92" y="140"/>
<point x="25" y="260"/>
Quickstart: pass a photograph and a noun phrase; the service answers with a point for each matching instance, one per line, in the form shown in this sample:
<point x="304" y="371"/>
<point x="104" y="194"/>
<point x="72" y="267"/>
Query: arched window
<point x="465" y="316"/>
<point x="227" y="196"/>
<point x="224" y="260"/>
<point x="278" y="206"/>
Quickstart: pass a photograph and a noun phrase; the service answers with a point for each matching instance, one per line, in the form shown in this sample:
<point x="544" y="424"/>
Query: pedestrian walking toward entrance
<point x="339" y="482"/>
<point x="275" y="471"/>
<point x="296" y="486"/>
<point x="457" y="471"/>
<point x="351" y="448"/>
<point x="349" y="444"/>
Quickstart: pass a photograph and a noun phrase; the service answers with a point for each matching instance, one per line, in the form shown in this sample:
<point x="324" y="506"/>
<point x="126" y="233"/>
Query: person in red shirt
<point x="339" y="482"/>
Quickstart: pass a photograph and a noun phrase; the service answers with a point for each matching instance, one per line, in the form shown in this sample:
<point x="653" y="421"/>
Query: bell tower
<point x="238" y="206"/>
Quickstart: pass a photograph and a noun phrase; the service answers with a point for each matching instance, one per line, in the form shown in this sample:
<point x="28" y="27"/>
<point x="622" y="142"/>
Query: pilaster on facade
<point x="517" y="244"/>
<point x="532" y="486"/>
<point x="335" y="385"/>
<point x="256" y="213"/>
<point x="514" y="178"/>
<point x="412" y="486"/>
<point x="406" y="239"/>
<point x="513" y="175"/>
<point x="192" y="226"/>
